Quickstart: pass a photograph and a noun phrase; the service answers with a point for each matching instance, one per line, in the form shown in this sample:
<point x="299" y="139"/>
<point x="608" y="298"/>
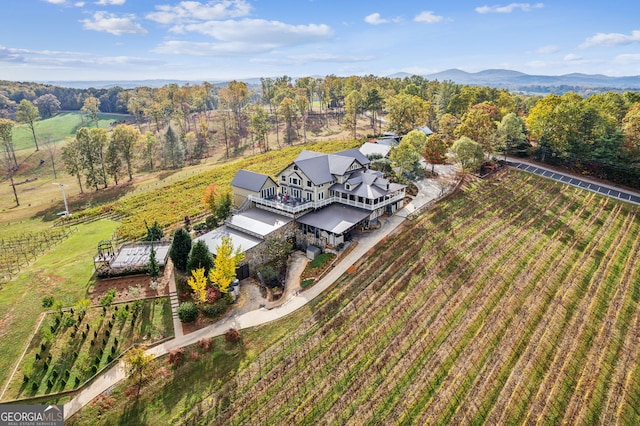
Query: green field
<point x="61" y="126"/>
<point x="514" y="301"/>
<point x="64" y="272"/>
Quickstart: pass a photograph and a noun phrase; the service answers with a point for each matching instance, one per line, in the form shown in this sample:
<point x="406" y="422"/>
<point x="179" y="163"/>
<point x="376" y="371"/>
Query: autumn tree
<point x="477" y="125"/>
<point x="124" y="138"/>
<point x="353" y="103"/>
<point x="373" y="104"/>
<point x="198" y="283"/>
<point x="91" y="145"/>
<point x="406" y="156"/>
<point x="138" y="366"/>
<point x="510" y="136"/>
<point x="226" y="261"/>
<point x="48" y="104"/>
<point x="9" y="162"/>
<point x="435" y="150"/>
<point x="173" y="149"/>
<point x="406" y="112"/>
<point x="287" y="109"/>
<point x="631" y="129"/>
<point x="51" y="148"/>
<point x="28" y="114"/>
<point x="113" y="161"/>
<point x="467" y="153"/>
<point x="259" y="126"/>
<point x="72" y="159"/>
<point x="92" y="107"/>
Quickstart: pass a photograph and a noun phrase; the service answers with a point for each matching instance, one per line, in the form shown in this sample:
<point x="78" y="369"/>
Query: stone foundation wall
<point x="259" y="255"/>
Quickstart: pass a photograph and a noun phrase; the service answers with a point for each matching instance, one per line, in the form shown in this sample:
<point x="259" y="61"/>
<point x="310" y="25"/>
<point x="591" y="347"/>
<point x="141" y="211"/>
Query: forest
<point x="173" y="125"/>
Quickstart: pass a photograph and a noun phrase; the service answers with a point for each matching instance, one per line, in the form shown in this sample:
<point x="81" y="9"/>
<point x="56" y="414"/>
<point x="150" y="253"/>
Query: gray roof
<point x="424" y="129"/>
<point x="335" y="218"/>
<point x="369" y="148"/>
<point x="257" y="222"/>
<point x="213" y="239"/>
<point x="320" y="168"/>
<point x="137" y="254"/>
<point x="250" y="180"/>
<point x="355" y="153"/>
<point x="368" y="184"/>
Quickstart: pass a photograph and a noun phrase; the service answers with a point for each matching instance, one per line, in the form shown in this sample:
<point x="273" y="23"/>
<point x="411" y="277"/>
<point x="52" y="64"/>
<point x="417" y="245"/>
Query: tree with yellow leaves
<point x="225" y="263"/>
<point x="198" y="283"/>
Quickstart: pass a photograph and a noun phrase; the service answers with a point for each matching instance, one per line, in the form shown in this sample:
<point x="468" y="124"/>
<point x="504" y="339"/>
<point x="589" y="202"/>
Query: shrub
<point x="47" y="302"/>
<point x="176" y="356"/>
<point x="232" y="335"/>
<point x="68" y="321"/>
<point x="269" y="276"/>
<point x="306" y="283"/>
<point x="194" y="355"/>
<point x="107" y="299"/>
<point x="187" y="312"/>
<point x="213" y="294"/>
<point x="205" y="343"/>
<point x="216" y="309"/>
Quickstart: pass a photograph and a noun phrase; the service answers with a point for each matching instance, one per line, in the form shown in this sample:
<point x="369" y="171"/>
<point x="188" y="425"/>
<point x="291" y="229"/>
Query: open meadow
<point x="513" y="301"/>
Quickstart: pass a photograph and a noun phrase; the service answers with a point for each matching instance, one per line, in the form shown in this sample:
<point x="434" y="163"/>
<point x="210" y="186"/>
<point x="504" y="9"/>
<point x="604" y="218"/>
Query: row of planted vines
<point x="514" y="301"/>
<point x="72" y="345"/>
<point x="169" y="204"/>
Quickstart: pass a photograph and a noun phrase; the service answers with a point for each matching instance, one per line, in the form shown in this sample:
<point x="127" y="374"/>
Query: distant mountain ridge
<point x="510" y="79"/>
<point x="499" y="78"/>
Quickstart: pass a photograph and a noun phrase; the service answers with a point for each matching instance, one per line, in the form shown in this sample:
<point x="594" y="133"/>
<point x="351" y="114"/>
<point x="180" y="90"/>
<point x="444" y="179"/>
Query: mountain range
<point x="499" y="78"/>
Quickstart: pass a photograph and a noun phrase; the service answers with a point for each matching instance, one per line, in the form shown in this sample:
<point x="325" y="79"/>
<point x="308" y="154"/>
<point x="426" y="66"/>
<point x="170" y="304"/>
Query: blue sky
<point x="58" y="40"/>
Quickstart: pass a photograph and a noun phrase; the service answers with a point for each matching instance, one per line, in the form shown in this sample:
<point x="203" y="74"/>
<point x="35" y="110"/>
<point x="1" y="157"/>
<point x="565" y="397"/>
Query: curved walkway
<point x="580" y="182"/>
<point x="261" y="316"/>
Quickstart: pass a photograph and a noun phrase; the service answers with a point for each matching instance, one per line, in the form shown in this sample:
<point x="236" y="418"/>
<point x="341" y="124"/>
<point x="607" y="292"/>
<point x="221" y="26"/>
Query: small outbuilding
<point x="247" y="183"/>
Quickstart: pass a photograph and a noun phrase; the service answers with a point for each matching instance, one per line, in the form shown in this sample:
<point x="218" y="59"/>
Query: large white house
<point x="328" y="195"/>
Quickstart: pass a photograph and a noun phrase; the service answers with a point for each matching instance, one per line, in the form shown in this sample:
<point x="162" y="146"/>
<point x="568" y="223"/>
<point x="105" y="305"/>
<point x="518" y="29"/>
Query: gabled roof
<point x="368" y="184"/>
<point x="355" y="153"/>
<point x="321" y="168"/>
<point x="250" y="180"/>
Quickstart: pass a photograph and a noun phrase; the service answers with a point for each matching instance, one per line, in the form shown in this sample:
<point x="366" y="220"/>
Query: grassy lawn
<point x="64" y="273"/>
<point x="59" y="127"/>
<point x="172" y="391"/>
<point x="70" y="347"/>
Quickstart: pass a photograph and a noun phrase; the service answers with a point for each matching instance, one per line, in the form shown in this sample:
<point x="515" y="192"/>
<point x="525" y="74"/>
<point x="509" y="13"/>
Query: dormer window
<point x="347" y="186"/>
<point x="295" y="167"/>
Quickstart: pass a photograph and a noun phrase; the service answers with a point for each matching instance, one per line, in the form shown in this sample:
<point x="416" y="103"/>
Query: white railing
<point x="292" y="206"/>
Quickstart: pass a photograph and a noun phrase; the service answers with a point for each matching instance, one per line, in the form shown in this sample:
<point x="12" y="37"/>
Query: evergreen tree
<point x="153" y="267"/>
<point x="180" y="248"/>
<point x="200" y="257"/>
<point x="173" y="149"/>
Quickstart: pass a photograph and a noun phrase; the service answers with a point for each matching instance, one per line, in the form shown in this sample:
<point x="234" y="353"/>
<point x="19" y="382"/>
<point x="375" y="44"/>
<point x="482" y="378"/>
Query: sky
<point x="73" y="40"/>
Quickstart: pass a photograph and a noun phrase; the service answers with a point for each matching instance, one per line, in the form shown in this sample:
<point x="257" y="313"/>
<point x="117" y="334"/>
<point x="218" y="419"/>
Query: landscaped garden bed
<point x="72" y="345"/>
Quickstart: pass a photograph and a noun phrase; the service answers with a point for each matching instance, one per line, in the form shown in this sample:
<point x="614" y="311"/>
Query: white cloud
<point x="572" y="57"/>
<point x="111" y="23"/>
<point x="428" y="17"/>
<point x="260" y="31"/>
<point x="177" y="47"/>
<point x="611" y="39"/>
<point x="193" y="11"/>
<point x="545" y="50"/>
<point x="110" y="2"/>
<point x="628" y="58"/>
<point x="375" y="19"/>
<point x="525" y="7"/>
<point x="79" y="4"/>
<point x="56" y="1"/>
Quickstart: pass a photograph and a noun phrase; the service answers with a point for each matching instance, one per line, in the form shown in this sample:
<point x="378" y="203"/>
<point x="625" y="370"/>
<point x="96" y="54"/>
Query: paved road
<point x="256" y="317"/>
<point x="584" y="183"/>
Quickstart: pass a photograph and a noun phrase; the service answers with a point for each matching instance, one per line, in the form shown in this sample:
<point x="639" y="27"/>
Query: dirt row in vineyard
<point x="516" y="299"/>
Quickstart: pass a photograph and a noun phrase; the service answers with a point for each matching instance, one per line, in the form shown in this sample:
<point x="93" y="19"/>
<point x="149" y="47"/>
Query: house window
<point x="321" y="196"/>
<point x="309" y="196"/>
<point x="294" y="181"/>
<point x="308" y="184"/>
<point x="295" y="193"/>
<point x="283" y="178"/>
<point x="347" y="187"/>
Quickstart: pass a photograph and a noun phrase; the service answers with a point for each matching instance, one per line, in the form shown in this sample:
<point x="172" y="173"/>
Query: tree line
<point x="177" y="124"/>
